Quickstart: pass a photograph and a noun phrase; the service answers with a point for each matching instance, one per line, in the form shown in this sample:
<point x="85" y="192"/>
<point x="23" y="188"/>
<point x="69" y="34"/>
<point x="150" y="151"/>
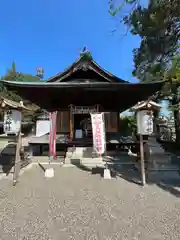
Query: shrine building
<point x="83" y="88"/>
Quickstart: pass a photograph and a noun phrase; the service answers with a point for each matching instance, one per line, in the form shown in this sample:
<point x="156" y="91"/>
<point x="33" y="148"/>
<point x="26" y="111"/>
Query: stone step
<point x="93" y="165"/>
<point x="45" y="159"/>
<point x="80" y="152"/>
<point x="83" y="160"/>
<point x="167" y="167"/>
<point x="96" y="161"/>
<point x="118" y="160"/>
<point x="88" y="166"/>
<point x="150" y="169"/>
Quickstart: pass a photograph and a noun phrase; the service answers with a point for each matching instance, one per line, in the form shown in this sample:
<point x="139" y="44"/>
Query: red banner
<point x="52" y="134"/>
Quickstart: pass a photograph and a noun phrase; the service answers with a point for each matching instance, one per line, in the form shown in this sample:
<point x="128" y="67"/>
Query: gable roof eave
<point x="7" y="103"/>
<point x="91" y="65"/>
<point x="65" y="72"/>
<point x="148" y="104"/>
<point x="106" y="74"/>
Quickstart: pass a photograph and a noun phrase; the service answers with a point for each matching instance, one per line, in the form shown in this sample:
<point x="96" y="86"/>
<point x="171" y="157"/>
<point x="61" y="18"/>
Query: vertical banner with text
<point x="98" y="129"/>
<point x="52" y="134"/>
<point x="145" y="122"/>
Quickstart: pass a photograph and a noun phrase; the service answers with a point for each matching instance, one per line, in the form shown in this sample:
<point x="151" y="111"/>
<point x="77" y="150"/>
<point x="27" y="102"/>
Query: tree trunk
<point x="177" y="125"/>
<point x="176" y="111"/>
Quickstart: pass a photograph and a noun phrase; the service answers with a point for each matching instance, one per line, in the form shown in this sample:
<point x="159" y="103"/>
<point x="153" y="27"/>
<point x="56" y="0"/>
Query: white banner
<point x="98" y="129"/>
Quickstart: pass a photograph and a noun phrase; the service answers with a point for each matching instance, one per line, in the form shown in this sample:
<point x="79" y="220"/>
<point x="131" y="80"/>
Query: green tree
<point x="128" y="125"/>
<point x="13" y="75"/>
<point x="173" y="83"/>
<point x="159" y="29"/>
<point x="157" y="57"/>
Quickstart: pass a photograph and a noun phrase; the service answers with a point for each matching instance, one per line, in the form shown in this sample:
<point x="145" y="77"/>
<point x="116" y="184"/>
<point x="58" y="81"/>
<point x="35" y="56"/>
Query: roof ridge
<point x="65" y="70"/>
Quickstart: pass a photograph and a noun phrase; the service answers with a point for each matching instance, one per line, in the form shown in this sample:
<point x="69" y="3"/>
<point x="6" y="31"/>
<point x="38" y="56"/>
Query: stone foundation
<point x="82" y="155"/>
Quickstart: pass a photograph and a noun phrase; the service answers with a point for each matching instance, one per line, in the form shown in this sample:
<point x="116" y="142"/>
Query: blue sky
<point x="51" y="34"/>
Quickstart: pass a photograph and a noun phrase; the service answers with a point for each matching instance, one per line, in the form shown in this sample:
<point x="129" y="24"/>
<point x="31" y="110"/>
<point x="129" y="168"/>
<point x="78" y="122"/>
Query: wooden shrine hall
<point x="82" y="88"/>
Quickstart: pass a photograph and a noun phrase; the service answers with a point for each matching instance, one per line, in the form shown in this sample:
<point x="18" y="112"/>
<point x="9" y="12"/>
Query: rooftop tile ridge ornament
<point x="86" y="54"/>
<point x="85" y="59"/>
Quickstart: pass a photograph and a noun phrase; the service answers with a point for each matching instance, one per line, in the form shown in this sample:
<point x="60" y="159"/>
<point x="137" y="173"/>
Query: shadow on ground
<point x="170" y="146"/>
<point x="7" y="159"/>
<point x="170" y="187"/>
<point x="167" y="180"/>
<point x="95" y="170"/>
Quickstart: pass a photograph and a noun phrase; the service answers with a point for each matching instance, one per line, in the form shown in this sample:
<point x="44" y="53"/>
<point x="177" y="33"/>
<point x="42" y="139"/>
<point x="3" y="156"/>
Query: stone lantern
<point x="144" y="111"/>
<point x="12" y="115"/>
<point x="12" y="129"/>
<point x="145" y="127"/>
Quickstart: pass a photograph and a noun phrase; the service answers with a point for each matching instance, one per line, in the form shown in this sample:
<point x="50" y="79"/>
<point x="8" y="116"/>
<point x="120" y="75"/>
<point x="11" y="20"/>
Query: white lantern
<point x="12" y="121"/>
<point x="145" y="122"/>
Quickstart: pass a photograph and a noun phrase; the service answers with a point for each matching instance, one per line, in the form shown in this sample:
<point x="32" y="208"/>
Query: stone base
<point x="86" y="152"/>
<point x="84" y="161"/>
<point x="107" y="174"/>
<point x="82" y="156"/>
<point x="49" y="173"/>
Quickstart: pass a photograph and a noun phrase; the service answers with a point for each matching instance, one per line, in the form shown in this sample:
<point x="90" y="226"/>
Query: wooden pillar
<point x="17" y="164"/>
<point x="118" y="122"/>
<point x="143" y="175"/>
<point x="61" y="120"/>
<point x="144" y="130"/>
<point x="71" y="124"/>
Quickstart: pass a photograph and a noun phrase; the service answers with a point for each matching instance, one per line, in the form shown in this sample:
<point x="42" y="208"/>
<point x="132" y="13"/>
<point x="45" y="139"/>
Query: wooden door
<point x="111" y="122"/>
<point x="63" y="122"/>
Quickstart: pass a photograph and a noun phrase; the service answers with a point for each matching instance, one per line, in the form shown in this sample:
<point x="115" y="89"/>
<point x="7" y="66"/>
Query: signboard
<point x="12" y="122"/>
<point x="42" y="127"/>
<point x="83" y="110"/>
<point x="145" y="122"/>
<point x="98" y="129"/>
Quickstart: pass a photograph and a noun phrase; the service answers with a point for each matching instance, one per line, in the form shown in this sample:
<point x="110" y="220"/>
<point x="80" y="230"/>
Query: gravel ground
<point x="77" y="205"/>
